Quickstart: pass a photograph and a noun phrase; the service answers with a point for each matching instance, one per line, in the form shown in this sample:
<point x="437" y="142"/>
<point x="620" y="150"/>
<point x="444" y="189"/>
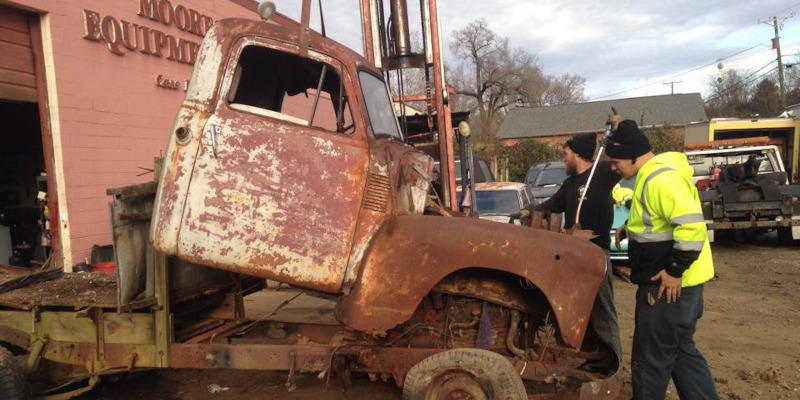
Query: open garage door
<point x="17" y="73"/>
<point x="26" y="205"/>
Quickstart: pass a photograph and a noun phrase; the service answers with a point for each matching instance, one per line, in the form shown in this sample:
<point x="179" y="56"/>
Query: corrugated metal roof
<point x="677" y="109"/>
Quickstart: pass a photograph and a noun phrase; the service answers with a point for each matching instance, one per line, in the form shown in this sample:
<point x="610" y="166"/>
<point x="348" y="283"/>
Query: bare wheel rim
<point x="456" y="385"/>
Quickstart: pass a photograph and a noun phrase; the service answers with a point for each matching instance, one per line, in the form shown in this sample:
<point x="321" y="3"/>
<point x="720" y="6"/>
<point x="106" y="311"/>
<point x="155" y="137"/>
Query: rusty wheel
<point x="464" y="374"/>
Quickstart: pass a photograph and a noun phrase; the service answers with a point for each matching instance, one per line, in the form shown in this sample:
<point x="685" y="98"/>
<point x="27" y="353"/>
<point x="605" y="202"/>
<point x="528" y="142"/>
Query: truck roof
<point x="732" y="149"/>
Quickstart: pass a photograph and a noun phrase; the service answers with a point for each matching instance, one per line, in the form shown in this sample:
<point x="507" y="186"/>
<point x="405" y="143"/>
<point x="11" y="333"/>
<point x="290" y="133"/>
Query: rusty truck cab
<point x="280" y="158"/>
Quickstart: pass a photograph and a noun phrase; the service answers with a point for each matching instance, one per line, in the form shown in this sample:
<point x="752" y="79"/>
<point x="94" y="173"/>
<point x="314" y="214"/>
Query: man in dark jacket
<point x="597" y="215"/>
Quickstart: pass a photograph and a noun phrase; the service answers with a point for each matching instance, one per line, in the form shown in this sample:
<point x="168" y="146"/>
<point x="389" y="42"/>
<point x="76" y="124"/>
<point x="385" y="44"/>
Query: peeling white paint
<point x="209" y="61"/>
<point x="325" y="147"/>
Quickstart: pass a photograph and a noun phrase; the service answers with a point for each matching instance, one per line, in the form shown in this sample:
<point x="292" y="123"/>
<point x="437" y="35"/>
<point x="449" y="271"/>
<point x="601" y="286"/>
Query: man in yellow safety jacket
<point x="621" y="194"/>
<point x="670" y="261"/>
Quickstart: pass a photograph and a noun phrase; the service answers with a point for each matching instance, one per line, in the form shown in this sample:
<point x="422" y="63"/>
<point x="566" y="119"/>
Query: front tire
<point x="14" y="383"/>
<point x="472" y="374"/>
<point x="785" y="235"/>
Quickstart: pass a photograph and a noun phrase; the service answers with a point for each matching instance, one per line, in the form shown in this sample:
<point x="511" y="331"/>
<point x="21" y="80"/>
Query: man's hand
<point x="669" y="284"/>
<point x="618" y="235"/>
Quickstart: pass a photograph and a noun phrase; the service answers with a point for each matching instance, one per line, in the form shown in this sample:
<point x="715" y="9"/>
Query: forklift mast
<point x="387" y="43"/>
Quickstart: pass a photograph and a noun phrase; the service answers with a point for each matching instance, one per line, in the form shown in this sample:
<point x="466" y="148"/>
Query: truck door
<point x="276" y="186"/>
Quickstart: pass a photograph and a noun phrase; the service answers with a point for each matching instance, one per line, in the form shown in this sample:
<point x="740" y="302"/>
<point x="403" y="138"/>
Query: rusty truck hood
<point x="411" y="254"/>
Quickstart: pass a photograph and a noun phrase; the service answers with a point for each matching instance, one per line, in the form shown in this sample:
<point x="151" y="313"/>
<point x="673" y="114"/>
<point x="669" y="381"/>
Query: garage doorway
<point x="26" y="206"/>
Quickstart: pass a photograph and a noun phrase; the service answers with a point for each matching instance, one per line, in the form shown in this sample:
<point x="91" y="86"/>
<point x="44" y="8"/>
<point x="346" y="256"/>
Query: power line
<point x="788" y="8"/>
<point x="672" y="86"/>
<point x="679" y="75"/>
<point x="745" y="81"/>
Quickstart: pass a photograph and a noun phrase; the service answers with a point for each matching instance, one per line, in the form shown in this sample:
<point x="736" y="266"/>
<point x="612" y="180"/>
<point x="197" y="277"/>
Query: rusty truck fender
<point x="410" y="254"/>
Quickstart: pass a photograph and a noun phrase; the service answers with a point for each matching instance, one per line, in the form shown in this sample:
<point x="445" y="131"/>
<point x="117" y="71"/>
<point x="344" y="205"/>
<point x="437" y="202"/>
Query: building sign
<point x="168" y="83"/>
<point x="121" y="36"/>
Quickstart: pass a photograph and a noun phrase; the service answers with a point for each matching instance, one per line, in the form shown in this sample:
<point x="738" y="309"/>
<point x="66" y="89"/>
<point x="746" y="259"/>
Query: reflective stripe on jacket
<point x="666" y="225"/>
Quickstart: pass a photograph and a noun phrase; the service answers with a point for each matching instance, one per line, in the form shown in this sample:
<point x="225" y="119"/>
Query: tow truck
<point x="744" y="187"/>
<point x="446" y="306"/>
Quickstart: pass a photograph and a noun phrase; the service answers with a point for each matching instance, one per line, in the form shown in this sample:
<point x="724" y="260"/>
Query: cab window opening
<point x="291" y="88"/>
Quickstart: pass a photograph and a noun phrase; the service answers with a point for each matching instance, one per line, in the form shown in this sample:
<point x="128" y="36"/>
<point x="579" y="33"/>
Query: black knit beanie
<point x="627" y="142"/>
<point x="584" y="145"/>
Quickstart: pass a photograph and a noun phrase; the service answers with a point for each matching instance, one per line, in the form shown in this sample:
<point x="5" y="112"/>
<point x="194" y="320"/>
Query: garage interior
<point x="24" y="213"/>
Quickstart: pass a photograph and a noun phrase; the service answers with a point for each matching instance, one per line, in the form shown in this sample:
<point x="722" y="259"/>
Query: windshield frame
<point x="498" y="193"/>
<point x="399" y="134"/>
<point x="543" y="172"/>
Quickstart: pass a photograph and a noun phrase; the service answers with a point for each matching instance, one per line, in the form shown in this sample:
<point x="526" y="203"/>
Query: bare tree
<point x="730" y="96"/>
<point x="793" y="81"/>
<point x="545" y="90"/>
<point x="492" y="74"/>
<point x="565" y="89"/>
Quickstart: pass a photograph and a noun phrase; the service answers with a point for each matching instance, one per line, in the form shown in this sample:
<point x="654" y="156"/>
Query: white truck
<point x="744" y="187"/>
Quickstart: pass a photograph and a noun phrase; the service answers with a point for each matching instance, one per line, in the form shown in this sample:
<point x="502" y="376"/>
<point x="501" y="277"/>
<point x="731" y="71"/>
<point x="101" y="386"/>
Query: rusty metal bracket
<point x="132" y="361"/>
<point x="290" y="386"/>
<point x="93" y="381"/>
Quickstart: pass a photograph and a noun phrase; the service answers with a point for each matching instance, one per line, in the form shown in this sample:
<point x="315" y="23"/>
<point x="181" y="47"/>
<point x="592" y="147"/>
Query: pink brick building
<point x="91" y="88"/>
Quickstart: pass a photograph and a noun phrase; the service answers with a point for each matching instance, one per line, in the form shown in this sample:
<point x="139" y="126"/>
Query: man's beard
<point x="570" y="169"/>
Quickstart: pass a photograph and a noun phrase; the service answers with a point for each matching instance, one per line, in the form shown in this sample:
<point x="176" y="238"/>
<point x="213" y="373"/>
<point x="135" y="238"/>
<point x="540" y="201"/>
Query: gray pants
<point x="663" y="347"/>
<point x="604" y="314"/>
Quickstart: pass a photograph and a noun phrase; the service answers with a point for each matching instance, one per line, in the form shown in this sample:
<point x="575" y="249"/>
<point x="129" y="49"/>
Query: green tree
<point x="664" y="138"/>
<point x="766" y="100"/>
<point x="520" y="156"/>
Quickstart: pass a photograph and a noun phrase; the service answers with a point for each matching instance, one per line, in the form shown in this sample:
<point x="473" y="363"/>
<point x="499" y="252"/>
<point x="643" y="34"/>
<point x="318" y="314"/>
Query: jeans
<point x="604" y="313"/>
<point x="663" y="346"/>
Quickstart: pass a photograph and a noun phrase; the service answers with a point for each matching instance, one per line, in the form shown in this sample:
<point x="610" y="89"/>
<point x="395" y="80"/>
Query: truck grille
<point x="377" y="195"/>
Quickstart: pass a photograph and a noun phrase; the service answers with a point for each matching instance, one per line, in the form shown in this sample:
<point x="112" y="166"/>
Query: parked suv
<point x="482" y="171"/>
<point x="544" y="179"/>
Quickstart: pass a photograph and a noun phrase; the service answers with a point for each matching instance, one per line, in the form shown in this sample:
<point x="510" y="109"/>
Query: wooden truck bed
<point x="24" y="291"/>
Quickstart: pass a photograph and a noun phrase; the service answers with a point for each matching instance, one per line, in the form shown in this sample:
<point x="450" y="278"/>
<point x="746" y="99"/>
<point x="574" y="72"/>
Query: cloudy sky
<point x="624" y="48"/>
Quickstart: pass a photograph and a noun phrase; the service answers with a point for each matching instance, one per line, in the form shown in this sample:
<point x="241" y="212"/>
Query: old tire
<point x="14" y="383"/>
<point x="467" y="374"/>
<point x="785" y="235"/>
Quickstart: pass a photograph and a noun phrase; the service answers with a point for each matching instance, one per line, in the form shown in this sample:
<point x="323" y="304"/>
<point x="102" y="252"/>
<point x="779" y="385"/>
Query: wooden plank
<point x="44" y="119"/>
<point x="16" y="58"/>
<point x="19" y="320"/>
<point x="135" y="328"/>
<point x="164" y="336"/>
<point x="13" y="18"/>
<point x="14" y="37"/>
<point x="17" y="93"/>
<point x="133" y="191"/>
<point x="17" y="78"/>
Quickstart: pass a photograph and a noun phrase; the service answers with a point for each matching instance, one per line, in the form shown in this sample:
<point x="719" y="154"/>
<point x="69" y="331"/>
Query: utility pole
<point x="776" y="44"/>
<point x="672" y="86"/>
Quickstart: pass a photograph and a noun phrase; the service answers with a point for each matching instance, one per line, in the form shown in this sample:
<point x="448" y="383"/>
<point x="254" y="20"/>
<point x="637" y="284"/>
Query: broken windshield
<point x="379" y="106"/>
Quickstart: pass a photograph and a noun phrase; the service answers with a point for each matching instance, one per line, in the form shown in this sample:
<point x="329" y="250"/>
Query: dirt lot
<point x="749" y="334"/>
